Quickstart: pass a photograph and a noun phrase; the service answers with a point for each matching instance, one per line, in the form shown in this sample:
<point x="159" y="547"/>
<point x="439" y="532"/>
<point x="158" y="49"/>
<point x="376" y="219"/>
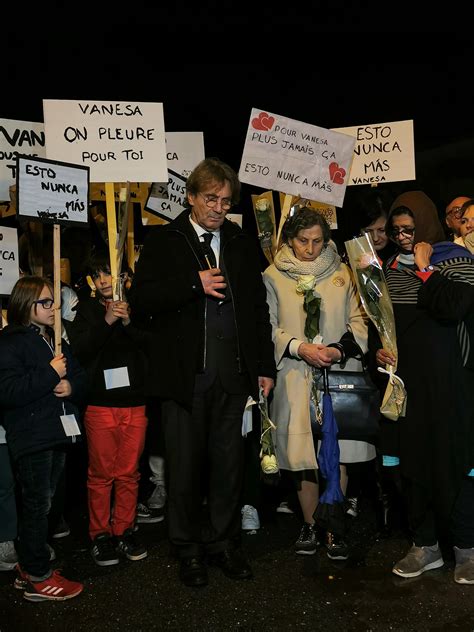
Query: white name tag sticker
<point x="70" y="425"/>
<point x="116" y="378"/>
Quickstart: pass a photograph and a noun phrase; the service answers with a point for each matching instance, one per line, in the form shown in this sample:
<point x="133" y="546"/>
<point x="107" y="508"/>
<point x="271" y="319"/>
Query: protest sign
<point x="296" y="158"/>
<point x="118" y="141"/>
<point x="167" y="200"/>
<point x="9" y="269"/>
<point x="17" y="138"/>
<point x="384" y="152"/>
<point x="52" y="191"/>
<point x="184" y="150"/>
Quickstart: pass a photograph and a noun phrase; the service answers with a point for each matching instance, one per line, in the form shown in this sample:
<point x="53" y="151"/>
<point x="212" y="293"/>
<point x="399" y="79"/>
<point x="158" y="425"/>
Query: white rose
<point x="367" y="260"/>
<point x="304" y="283"/>
<point x="262" y="204"/>
<point x="269" y="464"/>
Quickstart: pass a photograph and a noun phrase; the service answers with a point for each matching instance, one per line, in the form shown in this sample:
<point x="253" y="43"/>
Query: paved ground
<point x="289" y="592"/>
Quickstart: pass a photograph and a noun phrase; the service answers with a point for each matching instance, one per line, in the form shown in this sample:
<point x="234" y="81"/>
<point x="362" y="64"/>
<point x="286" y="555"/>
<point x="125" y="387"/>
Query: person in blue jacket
<point x="39" y="394"/>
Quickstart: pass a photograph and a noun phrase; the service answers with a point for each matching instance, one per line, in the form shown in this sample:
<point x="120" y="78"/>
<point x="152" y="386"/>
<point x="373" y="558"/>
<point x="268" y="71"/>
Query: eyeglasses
<point x="211" y="201"/>
<point x="46" y="303"/>
<point x="406" y="230"/>
<point x="456" y="212"/>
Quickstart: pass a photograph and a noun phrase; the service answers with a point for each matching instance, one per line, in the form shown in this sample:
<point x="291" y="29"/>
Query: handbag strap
<point x="356" y="352"/>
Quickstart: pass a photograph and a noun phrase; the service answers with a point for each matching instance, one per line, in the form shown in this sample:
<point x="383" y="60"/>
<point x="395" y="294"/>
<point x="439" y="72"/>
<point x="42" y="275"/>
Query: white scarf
<point x="323" y="266"/>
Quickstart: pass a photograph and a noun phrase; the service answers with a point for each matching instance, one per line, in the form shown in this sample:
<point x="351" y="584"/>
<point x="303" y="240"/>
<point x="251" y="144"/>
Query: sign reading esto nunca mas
<point x="384" y="152"/>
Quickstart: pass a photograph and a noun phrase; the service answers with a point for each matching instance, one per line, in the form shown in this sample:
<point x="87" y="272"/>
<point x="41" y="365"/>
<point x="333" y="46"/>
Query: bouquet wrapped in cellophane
<point x="375" y="298"/>
<point x="268" y="459"/>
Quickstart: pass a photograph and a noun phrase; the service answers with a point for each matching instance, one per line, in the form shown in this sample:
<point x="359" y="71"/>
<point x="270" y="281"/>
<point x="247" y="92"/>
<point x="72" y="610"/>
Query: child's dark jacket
<point x="31" y="410"/>
<point x="99" y="346"/>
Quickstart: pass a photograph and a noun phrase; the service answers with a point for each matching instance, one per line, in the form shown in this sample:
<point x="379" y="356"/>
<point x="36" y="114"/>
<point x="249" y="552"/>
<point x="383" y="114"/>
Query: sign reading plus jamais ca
<point x="17" y="138"/>
<point x="293" y="157"/>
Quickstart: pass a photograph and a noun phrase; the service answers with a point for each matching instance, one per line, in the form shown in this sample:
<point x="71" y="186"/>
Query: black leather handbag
<point x="356" y="403"/>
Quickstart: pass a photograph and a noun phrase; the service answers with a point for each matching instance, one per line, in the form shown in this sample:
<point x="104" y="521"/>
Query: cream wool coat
<point x="340" y="309"/>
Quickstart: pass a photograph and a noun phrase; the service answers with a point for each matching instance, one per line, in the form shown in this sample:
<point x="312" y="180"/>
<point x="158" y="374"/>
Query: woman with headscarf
<point x="307" y="251"/>
<point x="435" y="444"/>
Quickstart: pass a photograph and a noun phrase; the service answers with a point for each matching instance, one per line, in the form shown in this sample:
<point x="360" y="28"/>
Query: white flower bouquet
<point x="375" y="298"/>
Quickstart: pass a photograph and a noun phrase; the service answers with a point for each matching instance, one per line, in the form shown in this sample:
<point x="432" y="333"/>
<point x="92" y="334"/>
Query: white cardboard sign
<point x="17" y="138"/>
<point x="52" y="191"/>
<point x="294" y="157"/>
<point x="184" y="150"/>
<point x="118" y="141"/>
<point x="384" y="152"/>
<point x="9" y="269"/>
<point x="167" y="200"/>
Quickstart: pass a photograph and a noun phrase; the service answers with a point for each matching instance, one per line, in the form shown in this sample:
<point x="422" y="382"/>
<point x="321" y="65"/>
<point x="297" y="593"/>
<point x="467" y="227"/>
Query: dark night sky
<point x="318" y="86"/>
<point x="377" y="78"/>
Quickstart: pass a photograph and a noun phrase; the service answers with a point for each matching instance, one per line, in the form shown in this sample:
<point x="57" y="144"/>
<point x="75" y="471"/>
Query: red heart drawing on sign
<point x="336" y="173"/>
<point x="263" y="122"/>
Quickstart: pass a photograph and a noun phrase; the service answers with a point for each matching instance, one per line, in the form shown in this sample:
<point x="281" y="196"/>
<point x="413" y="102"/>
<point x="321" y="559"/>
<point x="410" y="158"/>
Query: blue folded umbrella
<point x="330" y="512"/>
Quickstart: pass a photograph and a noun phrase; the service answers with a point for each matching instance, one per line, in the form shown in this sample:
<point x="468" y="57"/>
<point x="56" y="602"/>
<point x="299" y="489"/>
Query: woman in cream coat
<point x="307" y="250"/>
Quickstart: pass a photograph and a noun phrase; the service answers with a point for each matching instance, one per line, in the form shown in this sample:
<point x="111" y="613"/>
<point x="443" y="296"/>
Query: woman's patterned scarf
<point x="322" y="267"/>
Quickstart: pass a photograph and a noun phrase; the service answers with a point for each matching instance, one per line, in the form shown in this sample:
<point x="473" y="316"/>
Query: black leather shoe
<point x="233" y="564"/>
<point x="193" y="571"/>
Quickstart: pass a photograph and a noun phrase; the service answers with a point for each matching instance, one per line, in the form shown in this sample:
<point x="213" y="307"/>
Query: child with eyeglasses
<point x="39" y="393"/>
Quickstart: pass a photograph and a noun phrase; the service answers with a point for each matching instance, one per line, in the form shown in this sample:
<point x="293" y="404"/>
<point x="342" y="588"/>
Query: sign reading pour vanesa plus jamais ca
<point x="293" y="157"/>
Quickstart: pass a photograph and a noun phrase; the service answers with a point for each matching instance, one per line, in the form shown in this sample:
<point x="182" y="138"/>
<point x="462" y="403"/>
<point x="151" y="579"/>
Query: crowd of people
<point x="166" y="367"/>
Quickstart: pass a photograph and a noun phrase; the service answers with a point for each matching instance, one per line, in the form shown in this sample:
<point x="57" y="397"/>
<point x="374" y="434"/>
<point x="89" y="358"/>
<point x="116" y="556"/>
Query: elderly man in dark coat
<point x="198" y="287"/>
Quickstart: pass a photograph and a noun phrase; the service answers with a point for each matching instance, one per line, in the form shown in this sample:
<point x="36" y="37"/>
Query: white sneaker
<point x="418" y="560"/>
<point x="464" y="571"/>
<point x="284" y="507"/>
<point x="157" y="499"/>
<point x="250" y="519"/>
<point x="352" y="509"/>
<point x="145" y="515"/>
<point x="8" y="556"/>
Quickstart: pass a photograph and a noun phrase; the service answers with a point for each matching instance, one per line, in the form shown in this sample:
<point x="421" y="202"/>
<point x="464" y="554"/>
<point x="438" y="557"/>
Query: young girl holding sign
<point x="38" y="393"/>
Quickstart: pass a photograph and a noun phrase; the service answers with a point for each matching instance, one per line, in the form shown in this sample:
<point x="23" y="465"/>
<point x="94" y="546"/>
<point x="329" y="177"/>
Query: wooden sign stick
<point x="284" y="214"/>
<point x="57" y="288"/>
<point x="112" y="234"/>
<point x="122" y="222"/>
<point x="131" y="239"/>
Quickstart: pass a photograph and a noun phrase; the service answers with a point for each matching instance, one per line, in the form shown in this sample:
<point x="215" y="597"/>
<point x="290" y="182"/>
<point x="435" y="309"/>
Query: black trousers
<point x="205" y="459"/>
<point x="456" y="529"/>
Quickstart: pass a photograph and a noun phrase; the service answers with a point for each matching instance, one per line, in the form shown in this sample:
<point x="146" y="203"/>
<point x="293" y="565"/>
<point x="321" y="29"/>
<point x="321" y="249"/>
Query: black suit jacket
<point x="168" y="299"/>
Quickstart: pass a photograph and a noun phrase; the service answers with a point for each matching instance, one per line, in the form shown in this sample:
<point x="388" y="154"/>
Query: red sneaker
<point x="21" y="578"/>
<point x="55" y="588"/>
